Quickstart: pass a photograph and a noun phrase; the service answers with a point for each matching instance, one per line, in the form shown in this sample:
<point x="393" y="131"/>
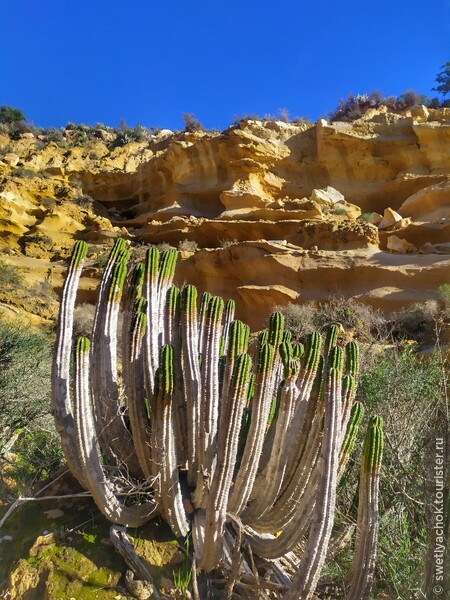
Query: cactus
<point x="227" y="438"/>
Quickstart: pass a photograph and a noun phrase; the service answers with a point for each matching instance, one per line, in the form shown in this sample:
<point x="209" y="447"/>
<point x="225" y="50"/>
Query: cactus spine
<point x="222" y="431"/>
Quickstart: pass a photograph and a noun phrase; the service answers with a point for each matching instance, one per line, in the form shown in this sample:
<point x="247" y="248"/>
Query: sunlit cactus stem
<point x="367" y="526"/>
<point x="101" y="487"/>
<point x="62" y="404"/>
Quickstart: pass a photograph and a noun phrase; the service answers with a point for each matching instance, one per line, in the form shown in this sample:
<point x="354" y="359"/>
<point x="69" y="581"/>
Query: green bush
<point x="10" y="277"/>
<point x="24" y="173"/>
<point x="444" y="298"/>
<point x="409" y="391"/>
<point x="25" y="368"/>
<point x="37" y="454"/>
<point x="9" y="115"/>
<point x="54" y="135"/>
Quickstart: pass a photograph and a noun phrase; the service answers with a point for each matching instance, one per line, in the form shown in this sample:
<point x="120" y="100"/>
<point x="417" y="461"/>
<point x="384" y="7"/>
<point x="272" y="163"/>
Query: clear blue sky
<point x="148" y="61"/>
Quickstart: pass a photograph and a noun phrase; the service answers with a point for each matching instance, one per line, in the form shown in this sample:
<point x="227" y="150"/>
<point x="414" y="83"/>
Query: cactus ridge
<point x="166" y="370"/>
<point x="167" y="263"/>
<point x="189" y="299"/>
<point x="311" y="357"/>
<point x="137" y="279"/>
<point x="375" y="421"/>
<point x="373" y="448"/>
<point x="152" y="263"/>
<point x="236" y="339"/>
<point x="332" y="336"/>
<point x="139" y="316"/>
<point x="241" y="371"/>
<point x="251" y="388"/>
<point x="230" y="307"/>
<point x="205" y="299"/>
<point x="83" y="344"/>
<point x="215" y="309"/>
<point x="79" y="253"/>
<point x="298" y="350"/>
<point x="173" y="299"/>
<point x="348" y="385"/>
<point x="356" y="416"/>
<point x="276" y="328"/>
<point x="118" y="278"/>
<point x="352" y="359"/>
<point x="139" y="305"/>
<point x="286" y="352"/>
<point x="287" y="336"/>
<point x="336" y="359"/>
<point x="266" y="354"/>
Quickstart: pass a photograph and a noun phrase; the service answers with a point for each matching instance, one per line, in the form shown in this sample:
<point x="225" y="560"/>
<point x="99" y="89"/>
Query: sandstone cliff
<point x="280" y="212"/>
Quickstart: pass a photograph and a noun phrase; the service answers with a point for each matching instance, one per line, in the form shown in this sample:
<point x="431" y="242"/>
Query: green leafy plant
<point x="9" y="115"/>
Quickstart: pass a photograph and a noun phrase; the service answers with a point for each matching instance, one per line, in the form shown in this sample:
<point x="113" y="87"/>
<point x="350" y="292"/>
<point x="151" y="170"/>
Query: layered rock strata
<point x="281" y="212"/>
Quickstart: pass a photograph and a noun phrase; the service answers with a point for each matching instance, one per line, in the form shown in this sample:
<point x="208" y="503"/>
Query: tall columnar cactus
<point x="368" y="518"/>
<point x="225" y="437"/>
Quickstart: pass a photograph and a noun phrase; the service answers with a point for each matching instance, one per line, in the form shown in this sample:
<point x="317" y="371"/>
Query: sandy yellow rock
<point x="300" y="186"/>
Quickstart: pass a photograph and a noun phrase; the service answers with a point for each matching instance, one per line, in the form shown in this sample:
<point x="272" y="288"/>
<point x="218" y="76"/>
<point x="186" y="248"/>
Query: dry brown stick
<point x="124" y="547"/>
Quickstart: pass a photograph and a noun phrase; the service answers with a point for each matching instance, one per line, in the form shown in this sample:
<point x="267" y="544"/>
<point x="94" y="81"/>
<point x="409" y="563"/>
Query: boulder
<point x="328" y="195"/>
<point x="374" y="218"/>
<point x="419" y="113"/>
<point x="11" y="159"/>
<point x="390" y="218"/>
<point x="396" y="244"/>
<point x="427" y="249"/>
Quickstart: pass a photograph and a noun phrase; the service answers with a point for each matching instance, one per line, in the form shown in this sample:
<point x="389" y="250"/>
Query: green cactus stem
<point x="62" y="404"/>
<point x="367" y="525"/>
<point x="94" y="476"/>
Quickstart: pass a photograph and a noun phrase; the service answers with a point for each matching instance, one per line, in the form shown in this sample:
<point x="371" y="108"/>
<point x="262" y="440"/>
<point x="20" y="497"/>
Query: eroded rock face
<point x="301" y="187"/>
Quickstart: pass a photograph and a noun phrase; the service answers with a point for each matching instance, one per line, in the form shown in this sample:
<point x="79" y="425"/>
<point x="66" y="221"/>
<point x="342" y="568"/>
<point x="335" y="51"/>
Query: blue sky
<point x="148" y="61"/>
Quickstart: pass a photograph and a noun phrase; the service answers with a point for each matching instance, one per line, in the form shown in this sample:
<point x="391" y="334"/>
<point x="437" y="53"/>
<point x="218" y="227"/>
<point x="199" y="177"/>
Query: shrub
<point x="83" y="200"/>
<point x="302" y="120"/>
<point x="39" y="238"/>
<point x="25" y="365"/>
<point x="37" y="454"/>
<point x="9" y="115"/>
<point x="24" y="173"/>
<point x="126" y="135"/>
<point x="55" y="135"/>
<point x="415" y="322"/>
<point x="10" y="278"/>
<point x="410" y="98"/>
<point x="163" y="246"/>
<point x="4" y="150"/>
<point x="48" y="203"/>
<point x="188" y="246"/>
<point x="226" y="243"/>
<point x="444" y="298"/>
<point x="364" y="322"/>
<point x="191" y="123"/>
<point x="408" y="390"/>
<point x="283" y="114"/>
<point x="353" y="107"/>
<point x="83" y="320"/>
